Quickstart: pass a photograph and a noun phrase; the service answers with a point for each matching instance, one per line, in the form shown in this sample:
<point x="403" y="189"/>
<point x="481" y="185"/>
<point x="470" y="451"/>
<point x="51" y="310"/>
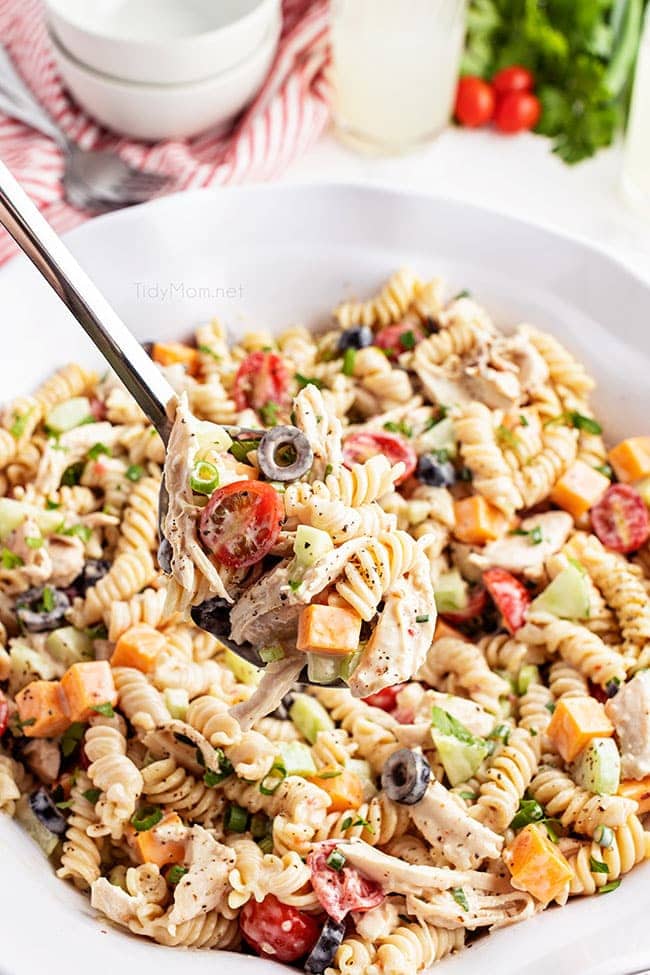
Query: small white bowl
<point x="153" y="112"/>
<point x="162" y="41"/>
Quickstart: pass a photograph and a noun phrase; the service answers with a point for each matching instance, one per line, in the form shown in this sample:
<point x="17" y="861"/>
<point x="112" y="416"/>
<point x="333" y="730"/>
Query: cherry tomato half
<point x="510" y="597"/>
<point x="262" y="378"/>
<point x="513" y="78"/>
<point x="278" y="930"/>
<point x="395" y="339"/>
<point x="359" y="447"/>
<point x="517" y="111"/>
<point x="4" y="714"/>
<point x="474" y="101"/>
<point x="241" y="523"/>
<point x="386" y="699"/>
<point x="475" y="606"/>
<point x="620" y="519"/>
<point x="344" y="890"/>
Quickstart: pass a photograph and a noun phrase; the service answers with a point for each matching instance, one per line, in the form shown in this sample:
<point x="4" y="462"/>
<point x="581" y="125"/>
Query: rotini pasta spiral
<point x="374" y="568"/>
<point x="115" y="774"/>
<point x="630" y="845"/>
<point x="387" y="307"/>
<point x="81" y="856"/>
<point x="562" y="799"/>
<point x="139" y="528"/>
<point x="507" y="778"/>
<point x="491" y="475"/>
<point x="129" y="574"/>
<point x="579" y="647"/>
<point x="168" y="785"/>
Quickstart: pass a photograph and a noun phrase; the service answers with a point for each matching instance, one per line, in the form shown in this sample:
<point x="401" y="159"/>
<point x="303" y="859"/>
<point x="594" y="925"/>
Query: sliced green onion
<point x="597" y="866"/>
<point x="269" y="654"/>
<point x="530" y="811"/>
<point x="348" y="362"/>
<point x="47" y="600"/>
<point x="10" y="560"/>
<point x="240" y="449"/>
<point x="106" y="709"/>
<point x="146" y="818"/>
<point x="585" y="423"/>
<point x="273" y="780"/>
<point x="335" y="860"/>
<point x="422" y="619"/>
<point x="92" y="795"/>
<point x="266" y="844"/>
<point x="204" y="478"/>
<point x="604" y="836"/>
<point x="175" y="874"/>
<point x="460" y="897"/>
<point x="608" y="888"/>
<point x="134" y="472"/>
<point x="260" y="825"/>
<point x="347" y="822"/>
<point x="606" y="470"/>
<point x="64" y="805"/>
<point x="330" y="773"/>
<point x="79" y="531"/>
<point x="308" y="381"/>
<point x="34" y="542"/>
<point x="407" y="340"/>
<point x="236" y="819"/>
<point x="462" y="294"/>
<point x="96" y="450"/>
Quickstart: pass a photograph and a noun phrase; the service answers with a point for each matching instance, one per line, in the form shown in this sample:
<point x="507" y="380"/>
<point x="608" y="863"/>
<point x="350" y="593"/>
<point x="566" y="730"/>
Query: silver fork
<point x="93" y="179"/>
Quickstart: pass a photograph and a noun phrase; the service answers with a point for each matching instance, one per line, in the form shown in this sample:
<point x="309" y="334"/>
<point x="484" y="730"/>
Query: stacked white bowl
<point x="164" y="69"/>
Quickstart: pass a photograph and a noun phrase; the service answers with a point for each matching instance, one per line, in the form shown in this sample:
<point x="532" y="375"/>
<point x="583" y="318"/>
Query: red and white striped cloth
<point x="287" y="116"/>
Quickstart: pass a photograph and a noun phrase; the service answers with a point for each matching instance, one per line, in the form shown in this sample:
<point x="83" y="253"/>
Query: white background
<point x="517" y="175"/>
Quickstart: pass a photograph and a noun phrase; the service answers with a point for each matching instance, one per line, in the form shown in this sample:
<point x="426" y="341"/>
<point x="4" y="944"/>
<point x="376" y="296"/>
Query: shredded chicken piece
<point x="629" y="711"/>
<point x="450" y="829"/>
<point x="522" y="553"/>
<point x="205" y="886"/>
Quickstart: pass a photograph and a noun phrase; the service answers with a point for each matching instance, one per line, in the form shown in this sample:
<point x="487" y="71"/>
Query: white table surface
<point x="515" y="175"/>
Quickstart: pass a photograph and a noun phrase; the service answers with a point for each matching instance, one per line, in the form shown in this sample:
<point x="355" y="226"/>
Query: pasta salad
<point x="425" y="508"/>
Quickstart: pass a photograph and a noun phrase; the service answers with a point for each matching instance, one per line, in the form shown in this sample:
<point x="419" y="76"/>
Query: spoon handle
<point x="51" y="257"/>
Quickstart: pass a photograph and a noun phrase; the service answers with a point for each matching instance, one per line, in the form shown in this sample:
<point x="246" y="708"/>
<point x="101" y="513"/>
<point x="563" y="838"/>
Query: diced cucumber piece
<point x="69" y="645"/>
<point x="212" y="436"/>
<point x="451" y="592"/>
<point x="244" y="672"/>
<point x="31" y="824"/>
<point x="68" y="415"/>
<point x="440" y="437"/>
<point x="177" y="701"/>
<point x="567" y="596"/>
<point x="14" y="513"/>
<point x="309" y="717"/>
<point x="296" y="758"/>
<point x="598" y="767"/>
<point x="460" y="759"/>
<point x="528" y="674"/>
<point x="27" y="664"/>
<point x="324" y="668"/>
<point x="311" y="545"/>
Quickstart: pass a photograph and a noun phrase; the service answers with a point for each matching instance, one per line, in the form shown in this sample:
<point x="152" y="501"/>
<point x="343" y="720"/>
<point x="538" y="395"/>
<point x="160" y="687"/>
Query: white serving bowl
<point x="162" y="41"/>
<point x="153" y="112"/>
<point x="267" y="257"/>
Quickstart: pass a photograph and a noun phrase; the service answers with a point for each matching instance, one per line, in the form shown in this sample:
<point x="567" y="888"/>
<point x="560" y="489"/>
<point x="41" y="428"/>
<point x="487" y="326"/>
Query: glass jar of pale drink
<point x="395" y="69"/>
<point x="636" y="157"/>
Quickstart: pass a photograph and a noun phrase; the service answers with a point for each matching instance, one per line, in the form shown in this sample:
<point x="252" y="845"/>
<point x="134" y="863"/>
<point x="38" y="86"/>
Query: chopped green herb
<point x="10" y="560"/>
<point x="551" y="825"/>
<point x="585" y="423"/>
<point x="550" y="706"/>
<point x="335" y="860"/>
<point x="269" y="414"/>
<point x="459" y="896"/>
<point x="260" y="825"/>
<point x="27" y="723"/>
<point x="92" y="795"/>
<point x="606" y="470"/>
<point x="349" y="358"/>
<point x="468" y="796"/>
<point x="19" y="425"/>
<point x="530" y="811"/>
<point x="507" y="437"/>
<point x="64" y="805"/>
<point x="407" y="340"/>
<point x="535" y="535"/>
<point x="72" y="474"/>
<point x="80" y="531"/>
<point x="106" y="709"/>
<point x="47" y="599"/>
<point x="360" y="821"/>
<point x="146" y="818"/>
<point x="500" y="733"/>
<point x="71" y="738"/>
<point x="608" y="888"/>
<point x="441" y="455"/>
<point x="134" y="472"/>
<point x="347" y="822"/>
<point x="240" y="449"/>
<point x="97" y="450"/>
<point x="330" y="773"/>
<point x="308" y="381"/>
<point x="400" y="427"/>
<point x="462" y="294"/>
<point x="175" y="874"/>
<point x="52" y="505"/>
<point x="236" y="819"/>
<point x="597" y="866"/>
<point x="424" y="618"/>
<point x="273" y="780"/>
<point x="206" y="350"/>
<point x="328" y="470"/>
<point x="97" y="632"/>
<point x="523" y="419"/>
<point x="464" y="474"/>
<point x="295" y="584"/>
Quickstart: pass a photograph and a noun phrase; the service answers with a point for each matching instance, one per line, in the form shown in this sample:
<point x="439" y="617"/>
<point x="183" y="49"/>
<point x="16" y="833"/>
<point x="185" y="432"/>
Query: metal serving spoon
<point x="122" y="351"/>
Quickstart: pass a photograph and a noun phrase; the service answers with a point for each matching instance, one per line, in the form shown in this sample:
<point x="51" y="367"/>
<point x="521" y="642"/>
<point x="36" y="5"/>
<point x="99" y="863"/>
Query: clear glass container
<point x="395" y="68"/>
<point x="636" y="157"/>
